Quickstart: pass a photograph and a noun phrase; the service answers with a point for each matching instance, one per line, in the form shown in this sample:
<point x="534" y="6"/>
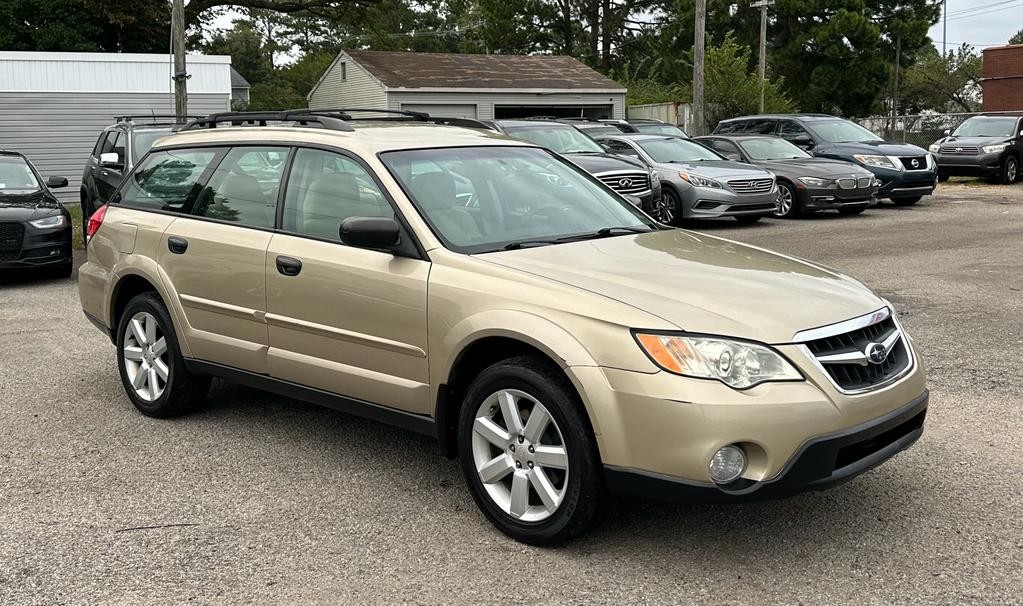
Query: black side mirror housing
<point x="803" y="141"/>
<point x="379" y="233"/>
<point x="55" y="182"/>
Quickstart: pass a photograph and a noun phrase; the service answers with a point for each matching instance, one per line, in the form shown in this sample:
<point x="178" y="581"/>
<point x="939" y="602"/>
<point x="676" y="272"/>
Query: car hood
<point x="702" y="283"/>
<point x="716" y="169"/>
<point x="877" y="148"/>
<point x="814" y="167"/>
<point x="24" y="207"/>
<point x="600" y="163"/>
<point x="974" y="141"/>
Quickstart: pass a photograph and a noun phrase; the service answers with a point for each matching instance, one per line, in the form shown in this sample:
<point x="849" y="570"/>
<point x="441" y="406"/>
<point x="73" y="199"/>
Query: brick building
<point x="1002" y="78"/>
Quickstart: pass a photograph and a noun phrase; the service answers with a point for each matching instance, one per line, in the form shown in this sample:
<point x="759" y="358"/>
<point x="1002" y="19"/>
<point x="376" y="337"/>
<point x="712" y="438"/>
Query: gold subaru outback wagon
<point x="561" y="344"/>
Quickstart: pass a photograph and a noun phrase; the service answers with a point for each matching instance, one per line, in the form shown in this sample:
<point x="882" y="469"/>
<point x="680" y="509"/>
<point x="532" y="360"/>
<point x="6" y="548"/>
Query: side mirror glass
<point x="370" y="232"/>
<point x="55" y="182"/>
<point x="110" y="159"/>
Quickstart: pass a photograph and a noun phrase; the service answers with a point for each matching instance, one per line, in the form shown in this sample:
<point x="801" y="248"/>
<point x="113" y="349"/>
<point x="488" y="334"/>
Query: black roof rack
<point x="345" y="113"/>
<point x="301" y="117"/>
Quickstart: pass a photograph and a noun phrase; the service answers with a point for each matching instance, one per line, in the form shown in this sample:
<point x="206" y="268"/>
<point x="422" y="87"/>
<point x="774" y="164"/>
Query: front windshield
<point x="676" y="150"/>
<point x="483" y="199"/>
<point x="771" y="149"/>
<point x="654" y="128"/>
<point x="562" y="139"/>
<point x="841" y="131"/>
<point x="144" y="139"/>
<point x="987" y="126"/>
<point x="16" y="176"/>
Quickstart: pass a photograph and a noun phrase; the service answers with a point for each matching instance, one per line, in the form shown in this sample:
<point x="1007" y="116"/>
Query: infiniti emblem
<point x="876" y="353"/>
<point x="625" y="182"/>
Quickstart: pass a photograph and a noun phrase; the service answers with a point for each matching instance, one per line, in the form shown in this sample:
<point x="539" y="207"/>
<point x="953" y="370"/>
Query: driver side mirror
<point x="110" y="159"/>
<point x="55" y="182"/>
<point x="734" y="157"/>
<point x="948" y="131"/>
<point x="379" y="233"/>
<point x="803" y="141"/>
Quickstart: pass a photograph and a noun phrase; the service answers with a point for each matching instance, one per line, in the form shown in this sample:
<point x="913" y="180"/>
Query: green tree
<point x="245" y="46"/>
<point x="943" y="84"/>
<point x="1017" y="38"/>
<point x="733" y="89"/>
<point x="142" y="26"/>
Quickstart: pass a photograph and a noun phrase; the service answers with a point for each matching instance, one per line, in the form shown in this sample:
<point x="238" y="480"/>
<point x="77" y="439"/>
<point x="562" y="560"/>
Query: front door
<point x="108" y="177"/>
<point x="345" y="320"/>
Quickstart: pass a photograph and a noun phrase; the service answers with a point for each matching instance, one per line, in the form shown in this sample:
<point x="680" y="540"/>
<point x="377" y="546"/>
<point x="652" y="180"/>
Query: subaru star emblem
<point x="876" y="353"/>
<point x="915" y="163"/>
<point x="625" y="182"/>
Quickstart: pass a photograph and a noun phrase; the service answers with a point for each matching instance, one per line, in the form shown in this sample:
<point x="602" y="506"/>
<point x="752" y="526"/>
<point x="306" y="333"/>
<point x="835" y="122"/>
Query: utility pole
<point x="180" y="73"/>
<point x="698" y="54"/>
<point x="763" y="4"/>
<point x="895" y="84"/>
<point x="944" y="27"/>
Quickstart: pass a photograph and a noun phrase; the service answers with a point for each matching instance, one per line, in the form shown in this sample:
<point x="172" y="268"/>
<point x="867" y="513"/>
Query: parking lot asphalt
<point x="260" y="499"/>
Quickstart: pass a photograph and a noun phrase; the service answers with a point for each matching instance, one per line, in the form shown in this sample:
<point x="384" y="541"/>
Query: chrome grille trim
<point x="626" y="182"/>
<point x="864" y="182"/>
<point x="847" y="183"/>
<point x="960" y="149"/>
<point x="757" y="185"/>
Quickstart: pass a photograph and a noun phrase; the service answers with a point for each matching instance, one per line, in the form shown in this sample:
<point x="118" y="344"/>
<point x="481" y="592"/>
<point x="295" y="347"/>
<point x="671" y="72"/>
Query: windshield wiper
<point x="605" y="232"/>
<point x="525" y="243"/>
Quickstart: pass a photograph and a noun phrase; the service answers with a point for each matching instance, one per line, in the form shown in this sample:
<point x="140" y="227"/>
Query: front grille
<point x="626" y="182"/>
<point x="908" y="162"/>
<point x="864" y="182"/>
<point x="751" y="186"/>
<point x="11" y="237"/>
<point x="960" y="149"/>
<point x="847" y="183"/>
<point x="845" y="356"/>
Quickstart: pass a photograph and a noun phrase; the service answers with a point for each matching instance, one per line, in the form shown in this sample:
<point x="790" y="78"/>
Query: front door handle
<point x="177" y="245"/>
<point x="289" y="266"/>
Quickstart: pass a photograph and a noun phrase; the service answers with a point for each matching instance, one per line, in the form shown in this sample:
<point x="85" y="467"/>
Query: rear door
<point x="215" y="255"/>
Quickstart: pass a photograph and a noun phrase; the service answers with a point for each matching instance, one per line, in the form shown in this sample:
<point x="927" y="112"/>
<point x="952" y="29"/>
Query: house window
<point x="344" y="71"/>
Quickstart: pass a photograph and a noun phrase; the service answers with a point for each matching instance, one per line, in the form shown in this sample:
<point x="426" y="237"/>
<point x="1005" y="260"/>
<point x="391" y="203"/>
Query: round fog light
<point x="727" y="464"/>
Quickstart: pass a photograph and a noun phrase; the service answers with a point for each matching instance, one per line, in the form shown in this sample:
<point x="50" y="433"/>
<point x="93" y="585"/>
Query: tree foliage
<point x="142" y="26"/>
<point x="943" y="84"/>
<point x="1017" y="38"/>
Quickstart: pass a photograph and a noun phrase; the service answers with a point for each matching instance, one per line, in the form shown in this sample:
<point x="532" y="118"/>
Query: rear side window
<point x="720" y="145"/>
<point x="167" y="180"/>
<point x="244" y="187"/>
<point x="324" y="189"/>
<point x="760" y="127"/>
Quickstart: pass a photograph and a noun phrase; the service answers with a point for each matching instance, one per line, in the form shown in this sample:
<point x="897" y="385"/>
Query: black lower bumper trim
<point x="819" y="463"/>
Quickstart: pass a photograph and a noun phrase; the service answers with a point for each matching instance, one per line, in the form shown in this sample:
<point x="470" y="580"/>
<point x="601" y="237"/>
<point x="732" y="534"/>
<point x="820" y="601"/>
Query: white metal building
<point x="54" y="105"/>
<point x="468" y="86"/>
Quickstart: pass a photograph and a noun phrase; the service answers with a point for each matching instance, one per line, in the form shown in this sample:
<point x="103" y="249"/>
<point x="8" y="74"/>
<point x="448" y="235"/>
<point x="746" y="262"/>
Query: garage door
<point x="444" y="110"/>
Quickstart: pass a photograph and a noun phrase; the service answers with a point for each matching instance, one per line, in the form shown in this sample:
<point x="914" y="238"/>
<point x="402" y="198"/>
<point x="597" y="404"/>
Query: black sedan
<point x="806" y="184"/>
<point x="35" y="228"/>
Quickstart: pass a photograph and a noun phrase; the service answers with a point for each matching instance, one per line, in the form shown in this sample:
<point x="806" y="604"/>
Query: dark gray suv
<point x="989" y="145"/>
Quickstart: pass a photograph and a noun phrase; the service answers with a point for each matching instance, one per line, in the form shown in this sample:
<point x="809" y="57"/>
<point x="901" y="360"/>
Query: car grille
<point x="751" y="186"/>
<point x="11" y="237"/>
<point x="921" y="162"/>
<point x="960" y="149"/>
<point x="626" y="182"/>
<point x="863" y="182"/>
<point x="845" y="356"/>
<point x="855" y="183"/>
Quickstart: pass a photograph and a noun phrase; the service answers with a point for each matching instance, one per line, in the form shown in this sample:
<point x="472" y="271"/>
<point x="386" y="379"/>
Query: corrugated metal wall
<point x="57" y="131"/>
<point x="359" y="89"/>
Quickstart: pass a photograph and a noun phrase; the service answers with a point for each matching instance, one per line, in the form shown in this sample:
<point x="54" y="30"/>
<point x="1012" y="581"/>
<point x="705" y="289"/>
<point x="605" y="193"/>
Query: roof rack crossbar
<point x="347" y="111"/>
<point x="393" y="114"/>
<point x="152" y="117"/>
<point x="262" y="118"/>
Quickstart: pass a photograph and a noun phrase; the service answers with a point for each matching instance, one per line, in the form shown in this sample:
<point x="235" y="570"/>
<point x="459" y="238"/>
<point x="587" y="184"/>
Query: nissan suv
<point x="557" y="341"/>
<point x="907" y="173"/>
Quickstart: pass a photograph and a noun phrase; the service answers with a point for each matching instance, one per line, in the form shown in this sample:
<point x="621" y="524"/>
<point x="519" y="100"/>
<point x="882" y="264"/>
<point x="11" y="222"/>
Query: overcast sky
<point x="980" y="22"/>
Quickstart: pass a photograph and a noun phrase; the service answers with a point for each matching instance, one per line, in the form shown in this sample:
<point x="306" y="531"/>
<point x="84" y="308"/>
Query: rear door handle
<point x="177" y="245"/>
<point x="289" y="266"/>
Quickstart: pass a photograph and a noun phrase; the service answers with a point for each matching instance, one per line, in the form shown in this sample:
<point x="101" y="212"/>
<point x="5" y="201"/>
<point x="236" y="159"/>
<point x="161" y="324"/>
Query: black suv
<point x="989" y="145"/>
<point x="907" y="172"/>
<point x="118" y="148"/>
<point x="624" y="175"/>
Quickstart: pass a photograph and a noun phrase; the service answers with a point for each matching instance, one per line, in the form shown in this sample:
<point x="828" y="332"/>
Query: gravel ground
<point x="260" y="499"/>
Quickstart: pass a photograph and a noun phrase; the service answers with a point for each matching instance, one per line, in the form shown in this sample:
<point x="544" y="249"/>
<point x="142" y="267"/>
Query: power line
<point x="978" y="14"/>
<point x="979" y="7"/>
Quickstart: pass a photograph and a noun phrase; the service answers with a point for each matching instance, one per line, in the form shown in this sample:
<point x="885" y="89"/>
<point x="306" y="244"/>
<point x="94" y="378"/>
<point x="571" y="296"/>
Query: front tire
<point x="528" y="453"/>
<point x="150" y="363"/>
<point x="1010" y="171"/>
<point x="906" y="201"/>
<point x="669" y="209"/>
<point x="788" y="203"/>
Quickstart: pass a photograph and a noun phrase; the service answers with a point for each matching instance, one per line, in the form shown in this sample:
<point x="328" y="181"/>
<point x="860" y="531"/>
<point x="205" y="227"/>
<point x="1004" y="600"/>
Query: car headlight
<point x="995" y="149"/>
<point x="49" y="222"/>
<point x="698" y="181"/>
<point x="814" y="181"/>
<point x="934" y="148"/>
<point x="738" y="364"/>
<point x="879" y="161"/>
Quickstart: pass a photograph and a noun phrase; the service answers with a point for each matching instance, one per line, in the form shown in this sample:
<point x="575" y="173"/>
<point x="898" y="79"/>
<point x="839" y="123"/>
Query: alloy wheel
<point x="1011" y="170"/>
<point x="145" y="356"/>
<point x="665" y="208"/>
<point x="784" y="202"/>
<point x="520" y="455"/>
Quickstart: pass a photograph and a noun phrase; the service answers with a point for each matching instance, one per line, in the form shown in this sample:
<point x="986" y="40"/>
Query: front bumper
<point x="39" y="248"/>
<point x="820" y="463"/>
<point x="905" y="184"/>
<point x="818" y="198"/>
<point x="980" y="165"/>
<point x="706" y="203"/>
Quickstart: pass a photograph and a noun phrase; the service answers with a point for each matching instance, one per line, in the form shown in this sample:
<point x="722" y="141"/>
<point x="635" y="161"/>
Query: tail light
<point x="95" y="220"/>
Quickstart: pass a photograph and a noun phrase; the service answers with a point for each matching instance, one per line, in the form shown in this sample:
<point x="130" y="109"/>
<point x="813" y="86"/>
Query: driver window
<point x="620" y="148"/>
<point x="790" y="131"/>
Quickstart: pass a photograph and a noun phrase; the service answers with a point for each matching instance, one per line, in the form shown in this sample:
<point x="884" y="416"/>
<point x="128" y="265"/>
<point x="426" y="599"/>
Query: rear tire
<point x="149" y="359"/>
<point x="1010" y="171"/>
<point x="906" y="201"/>
<point x="748" y="220"/>
<point x="544" y="482"/>
<point x="851" y="210"/>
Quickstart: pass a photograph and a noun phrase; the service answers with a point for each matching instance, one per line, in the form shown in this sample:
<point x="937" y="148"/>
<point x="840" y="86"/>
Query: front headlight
<point x="49" y="222"/>
<point x="698" y="181"/>
<point x="815" y="182"/>
<point x="934" y="148"/>
<point x="738" y="364"/>
<point x="995" y="149"/>
<point x="879" y="161"/>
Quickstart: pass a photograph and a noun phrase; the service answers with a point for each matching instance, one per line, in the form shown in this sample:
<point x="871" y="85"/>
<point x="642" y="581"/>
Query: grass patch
<point x="77" y="237"/>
